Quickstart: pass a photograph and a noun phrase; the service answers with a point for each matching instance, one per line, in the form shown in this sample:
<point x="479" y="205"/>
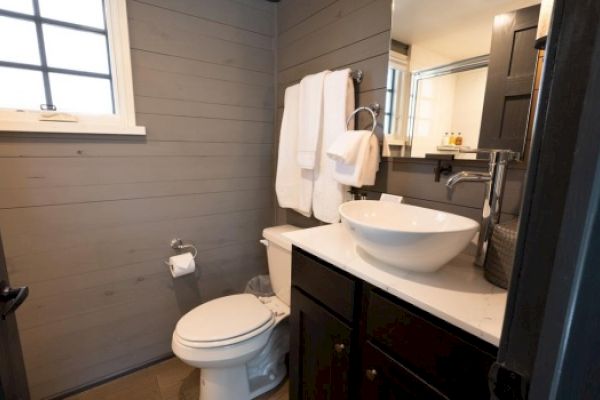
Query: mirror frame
<point x="452" y="68"/>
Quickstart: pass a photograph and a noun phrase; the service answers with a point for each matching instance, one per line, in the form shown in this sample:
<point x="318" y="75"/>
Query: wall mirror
<point x="461" y="76"/>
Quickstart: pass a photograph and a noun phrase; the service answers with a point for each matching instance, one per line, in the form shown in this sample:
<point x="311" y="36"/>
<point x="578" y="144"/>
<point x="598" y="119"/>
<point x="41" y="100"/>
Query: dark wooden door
<point x="320" y="345"/>
<point x="511" y="72"/>
<point x="13" y="381"/>
<point x="385" y="379"/>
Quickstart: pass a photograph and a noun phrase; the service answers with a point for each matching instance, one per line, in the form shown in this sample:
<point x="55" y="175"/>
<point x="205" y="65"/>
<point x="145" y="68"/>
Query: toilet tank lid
<point x="275" y="234"/>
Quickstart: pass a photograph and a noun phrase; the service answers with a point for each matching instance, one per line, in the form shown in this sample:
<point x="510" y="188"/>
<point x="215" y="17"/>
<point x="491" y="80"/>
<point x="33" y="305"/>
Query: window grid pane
<point x="75" y="49"/>
<point x="18" y="6"/>
<point x="18" y="43"/>
<point x="81" y="12"/>
<point x="81" y="94"/>
<point x="91" y="67"/>
<point x="21" y="89"/>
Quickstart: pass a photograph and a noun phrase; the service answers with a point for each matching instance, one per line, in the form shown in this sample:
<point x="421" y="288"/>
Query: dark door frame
<point x="552" y="321"/>
<point x="13" y="377"/>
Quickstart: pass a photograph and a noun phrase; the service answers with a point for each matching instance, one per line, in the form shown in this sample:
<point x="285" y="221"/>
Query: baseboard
<point x="108" y="378"/>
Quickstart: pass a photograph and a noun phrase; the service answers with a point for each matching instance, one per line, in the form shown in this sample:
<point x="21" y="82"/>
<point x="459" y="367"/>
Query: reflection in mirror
<point x="447" y="99"/>
<point x="446" y="75"/>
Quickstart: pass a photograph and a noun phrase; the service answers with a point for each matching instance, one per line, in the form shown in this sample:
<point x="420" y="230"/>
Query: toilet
<point x="240" y="341"/>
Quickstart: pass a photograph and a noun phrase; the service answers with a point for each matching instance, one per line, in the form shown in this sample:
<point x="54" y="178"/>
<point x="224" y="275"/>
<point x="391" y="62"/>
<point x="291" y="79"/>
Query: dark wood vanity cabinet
<point x="321" y="360"/>
<point x="350" y="340"/>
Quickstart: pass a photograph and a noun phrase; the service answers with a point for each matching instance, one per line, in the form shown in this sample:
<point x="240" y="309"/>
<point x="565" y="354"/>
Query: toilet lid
<point x="223" y="318"/>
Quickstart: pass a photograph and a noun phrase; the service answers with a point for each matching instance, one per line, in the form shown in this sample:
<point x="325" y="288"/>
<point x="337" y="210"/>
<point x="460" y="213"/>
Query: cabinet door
<point x="384" y="378"/>
<point x="319" y="351"/>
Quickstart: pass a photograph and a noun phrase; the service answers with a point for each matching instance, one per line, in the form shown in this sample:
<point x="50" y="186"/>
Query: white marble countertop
<point x="458" y="293"/>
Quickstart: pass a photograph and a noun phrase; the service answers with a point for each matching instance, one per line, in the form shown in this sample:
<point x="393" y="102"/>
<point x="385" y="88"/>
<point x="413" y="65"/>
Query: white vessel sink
<point x="407" y="237"/>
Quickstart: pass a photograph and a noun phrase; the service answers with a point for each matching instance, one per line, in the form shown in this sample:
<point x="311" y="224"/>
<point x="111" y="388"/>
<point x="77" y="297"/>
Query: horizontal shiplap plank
<point x="358" y="25"/>
<point x="292" y="12"/>
<point x="32" y="229"/>
<point x="155" y="83"/>
<point x="226" y="12"/>
<point x="266" y="6"/>
<point x="173" y="39"/>
<point x="196" y="27"/>
<point x="200" y="129"/>
<point x="74" y="285"/>
<point x="136" y="281"/>
<point x="118" y="246"/>
<point x="48" y="196"/>
<point x="49" y="172"/>
<point x="414" y="179"/>
<point x="185" y="66"/>
<point x="328" y="14"/>
<point x="182" y="108"/>
<point x="133" y="149"/>
<point x="125" y="149"/>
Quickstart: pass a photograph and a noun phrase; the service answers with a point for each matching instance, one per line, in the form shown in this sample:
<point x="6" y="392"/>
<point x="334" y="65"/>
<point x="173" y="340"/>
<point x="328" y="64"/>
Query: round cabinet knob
<point x="371" y="374"/>
<point x="339" y="347"/>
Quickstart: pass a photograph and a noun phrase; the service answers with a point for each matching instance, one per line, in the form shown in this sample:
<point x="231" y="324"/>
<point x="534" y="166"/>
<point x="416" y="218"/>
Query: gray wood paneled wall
<point x="314" y="35"/>
<point x="86" y="222"/>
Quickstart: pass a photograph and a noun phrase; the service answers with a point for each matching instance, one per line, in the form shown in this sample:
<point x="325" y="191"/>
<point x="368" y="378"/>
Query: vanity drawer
<point x="451" y="360"/>
<point x="334" y="289"/>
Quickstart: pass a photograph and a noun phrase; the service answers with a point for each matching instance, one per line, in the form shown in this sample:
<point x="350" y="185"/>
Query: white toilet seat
<point x="226" y="342"/>
<point x="248" y="315"/>
<point x="225" y="320"/>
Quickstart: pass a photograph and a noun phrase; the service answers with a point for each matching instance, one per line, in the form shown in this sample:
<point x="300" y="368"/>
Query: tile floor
<point x="168" y="380"/>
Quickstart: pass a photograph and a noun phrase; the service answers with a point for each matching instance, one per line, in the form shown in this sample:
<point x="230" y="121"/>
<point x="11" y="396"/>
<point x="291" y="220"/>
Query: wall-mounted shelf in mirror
<point x="461" y="76"/>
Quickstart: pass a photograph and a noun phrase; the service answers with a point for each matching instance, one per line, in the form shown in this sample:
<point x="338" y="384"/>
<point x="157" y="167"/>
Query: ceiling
<point x="455" y="29"/>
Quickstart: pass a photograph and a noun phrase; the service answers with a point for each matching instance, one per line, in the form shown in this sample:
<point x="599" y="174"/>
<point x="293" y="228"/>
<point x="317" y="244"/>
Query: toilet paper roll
<point x="182" y="264"/>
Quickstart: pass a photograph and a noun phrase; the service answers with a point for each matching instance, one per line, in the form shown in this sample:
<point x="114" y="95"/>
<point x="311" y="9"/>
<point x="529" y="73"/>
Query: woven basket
<point x="501" y="252"/>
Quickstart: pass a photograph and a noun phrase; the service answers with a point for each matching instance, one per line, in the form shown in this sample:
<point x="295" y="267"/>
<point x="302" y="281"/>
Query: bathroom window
<point x="397" y="93"/>
<point x="65" y="67"/>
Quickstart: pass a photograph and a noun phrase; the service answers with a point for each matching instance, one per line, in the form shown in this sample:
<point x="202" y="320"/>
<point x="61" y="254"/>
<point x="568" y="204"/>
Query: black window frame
<point x="44" y="68"/>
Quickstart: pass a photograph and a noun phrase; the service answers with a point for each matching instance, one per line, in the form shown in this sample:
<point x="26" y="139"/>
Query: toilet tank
<point x="279" y="256"/>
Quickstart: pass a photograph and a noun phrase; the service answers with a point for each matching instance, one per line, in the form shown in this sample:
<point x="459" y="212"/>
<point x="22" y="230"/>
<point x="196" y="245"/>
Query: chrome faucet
<point x="494" y="180"/>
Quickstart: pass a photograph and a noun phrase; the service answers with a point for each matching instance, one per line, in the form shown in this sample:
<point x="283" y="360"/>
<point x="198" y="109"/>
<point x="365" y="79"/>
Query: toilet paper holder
<point x="178" y="244"/>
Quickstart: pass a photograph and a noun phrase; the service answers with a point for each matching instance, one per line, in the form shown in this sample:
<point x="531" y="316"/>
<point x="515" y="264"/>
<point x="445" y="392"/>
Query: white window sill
<point x="70" y="127"/>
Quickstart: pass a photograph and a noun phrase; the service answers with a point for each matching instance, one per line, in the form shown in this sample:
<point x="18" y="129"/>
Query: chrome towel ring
<point x="373" y="109"/>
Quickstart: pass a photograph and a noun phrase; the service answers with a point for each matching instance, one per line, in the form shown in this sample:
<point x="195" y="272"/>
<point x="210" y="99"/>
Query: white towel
<point x="311" y="118"/>
<point x="369" y="172"/>
<point x="363" y="171"/>
<point x="289" y="183"/>
<point x="345" y="148"/>
<point x="338" y="103"/>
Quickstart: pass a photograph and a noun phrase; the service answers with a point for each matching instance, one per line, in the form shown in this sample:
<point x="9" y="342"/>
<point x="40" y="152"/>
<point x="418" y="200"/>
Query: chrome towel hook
<point x="374" y="109"/>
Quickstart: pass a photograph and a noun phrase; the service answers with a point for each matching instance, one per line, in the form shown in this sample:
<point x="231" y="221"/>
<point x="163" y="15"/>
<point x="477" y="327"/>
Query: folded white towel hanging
<point x="338" y="104"/>
<point x="364" y="169"/>
<point x="345" y="148"/>
<point x="290" y="185"/>
<point x="311" y="118"/>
